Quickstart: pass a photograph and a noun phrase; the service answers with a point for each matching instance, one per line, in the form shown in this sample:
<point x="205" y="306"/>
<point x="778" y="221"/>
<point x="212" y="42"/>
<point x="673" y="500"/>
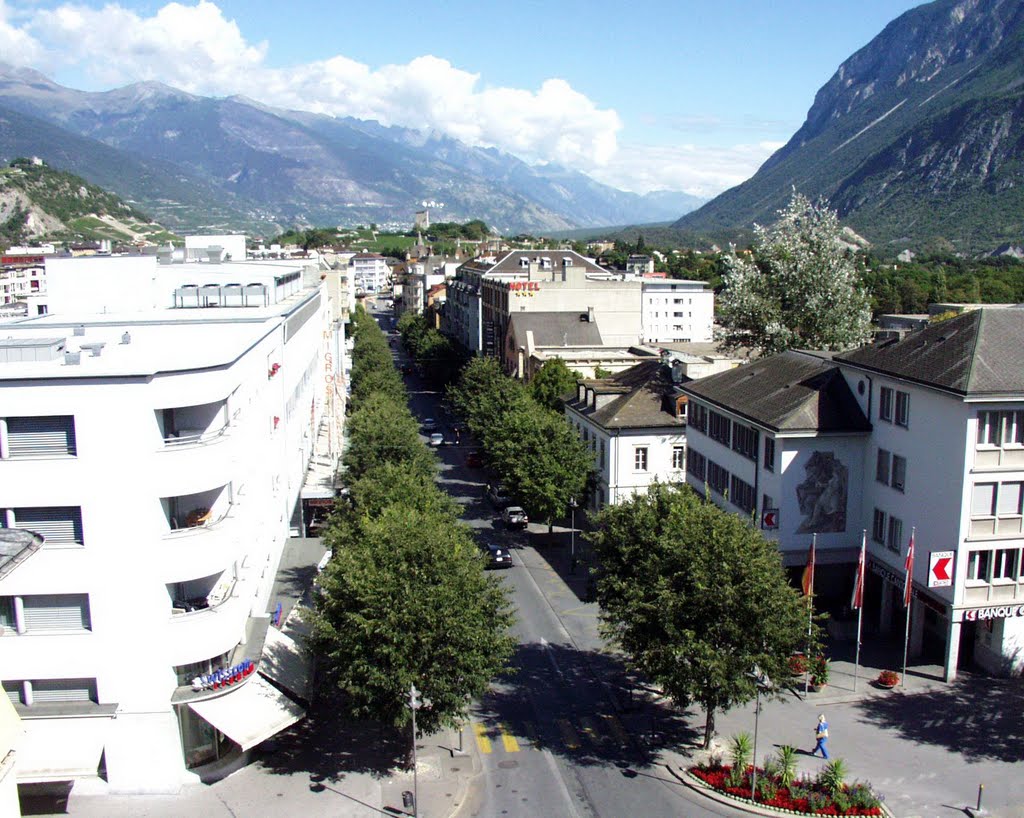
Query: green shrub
<point x="741" y="751"/>
<point x="833" y="777"/>
<point x="767" y="789"/>
<point x="816" y="800"/>
<point x="735" y="777"/>
<point x="861" y="796"/>
<point x="786" y="758"/>
<point x="842" y="801"/>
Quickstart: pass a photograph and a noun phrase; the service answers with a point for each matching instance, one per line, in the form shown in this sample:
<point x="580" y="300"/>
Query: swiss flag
<point x="807" y="581"/>
<point x="857" y="602"/>
<point x="908" y="585"/>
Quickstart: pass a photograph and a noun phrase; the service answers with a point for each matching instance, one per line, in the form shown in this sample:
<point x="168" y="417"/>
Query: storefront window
<point x="201" y="743"/>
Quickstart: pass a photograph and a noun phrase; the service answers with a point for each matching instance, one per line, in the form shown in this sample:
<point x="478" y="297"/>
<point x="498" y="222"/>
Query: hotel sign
<point x="524" y="287"/>
<point x="998" y="612"/>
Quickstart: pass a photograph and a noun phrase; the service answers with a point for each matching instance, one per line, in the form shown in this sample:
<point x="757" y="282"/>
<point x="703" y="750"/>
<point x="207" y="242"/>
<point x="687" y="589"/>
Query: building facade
<point x="161" y="451"/>
<point x="677" y="311"/>
<point x="370" y="272"/>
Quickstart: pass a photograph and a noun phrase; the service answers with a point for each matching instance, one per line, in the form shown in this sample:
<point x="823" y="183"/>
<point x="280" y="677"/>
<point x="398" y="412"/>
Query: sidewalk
<point x="926" y="746"/>
<point x="318" y="768"/>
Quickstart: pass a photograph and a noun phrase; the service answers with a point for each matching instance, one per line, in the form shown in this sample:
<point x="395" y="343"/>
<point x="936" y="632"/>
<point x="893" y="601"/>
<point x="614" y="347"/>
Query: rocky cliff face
<point x="917" y="136"/>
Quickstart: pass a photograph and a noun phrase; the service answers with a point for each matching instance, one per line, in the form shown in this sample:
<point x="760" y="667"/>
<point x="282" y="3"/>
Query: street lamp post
<point x="761" y="682"/>
<point x="572" y="536"/>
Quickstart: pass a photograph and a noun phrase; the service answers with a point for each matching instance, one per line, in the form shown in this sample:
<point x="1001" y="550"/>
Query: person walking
<point x="821" y="734"/>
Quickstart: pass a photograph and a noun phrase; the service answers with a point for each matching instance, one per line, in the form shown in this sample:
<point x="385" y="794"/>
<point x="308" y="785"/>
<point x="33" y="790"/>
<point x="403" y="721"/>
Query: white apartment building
<point x="677" y="311"/>
<point x="22" y="276"/>
<point x="923" y="434"/>
<point x="156" y="431"/>
<point x="635" y="424"/>
<point x="370" y="272"/>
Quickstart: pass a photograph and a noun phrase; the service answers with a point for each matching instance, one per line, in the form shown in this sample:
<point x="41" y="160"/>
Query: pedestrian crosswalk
<point x="581" y="733"/>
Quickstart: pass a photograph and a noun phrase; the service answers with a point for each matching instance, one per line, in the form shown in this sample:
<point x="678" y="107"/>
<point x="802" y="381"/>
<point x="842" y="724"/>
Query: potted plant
<point x="888" y="679"/>
<point x="819" y="672"/>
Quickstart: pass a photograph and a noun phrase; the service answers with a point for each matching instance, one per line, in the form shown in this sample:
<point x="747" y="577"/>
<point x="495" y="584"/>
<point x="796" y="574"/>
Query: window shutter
<point x="41" y="436"/>
<point x="63" y="690"/>
<point x="13" y="691"/>
<point x="57" y="612"/>
<point x="59" y="524"/>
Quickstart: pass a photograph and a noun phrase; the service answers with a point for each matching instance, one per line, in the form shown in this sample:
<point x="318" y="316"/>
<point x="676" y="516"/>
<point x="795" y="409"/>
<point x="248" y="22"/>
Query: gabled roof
<point x="555" y="329"/>
<point x="510" y="262"/>
<point x="980" y="352"/>
<point x="791" y="392"/>
<point x="645" y="399"/>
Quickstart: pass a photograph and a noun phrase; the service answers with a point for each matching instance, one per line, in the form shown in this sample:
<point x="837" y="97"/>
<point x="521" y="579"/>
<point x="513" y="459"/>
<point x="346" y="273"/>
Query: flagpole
<point x="907" y="594"/>
<point x="810" y="613"/>
<point x="859" y="596"/>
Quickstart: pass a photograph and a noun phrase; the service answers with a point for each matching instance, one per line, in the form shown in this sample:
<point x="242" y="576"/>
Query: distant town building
<point x="422" y="220"/>
<point x="677" y="311"/>
<point x="370" y="272"/>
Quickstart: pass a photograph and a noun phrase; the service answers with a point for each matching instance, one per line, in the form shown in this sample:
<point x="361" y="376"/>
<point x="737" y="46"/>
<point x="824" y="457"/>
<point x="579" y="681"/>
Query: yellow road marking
<point x="590" y="729"/>
<point x="511" y="745"/>
<point x="482" y="741"/>
<point x="617" y="729"/>
<point x="569" y="737"/>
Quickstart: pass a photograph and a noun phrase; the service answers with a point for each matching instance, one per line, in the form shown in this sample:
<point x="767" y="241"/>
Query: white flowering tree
<point x="799" y="287"/>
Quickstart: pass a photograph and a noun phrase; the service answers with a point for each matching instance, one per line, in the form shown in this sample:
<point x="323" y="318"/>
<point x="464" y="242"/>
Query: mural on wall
<point x="822" y="495"/>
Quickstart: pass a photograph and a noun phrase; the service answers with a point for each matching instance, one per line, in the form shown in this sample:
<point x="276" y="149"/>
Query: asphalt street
<point x="552" y="735"/>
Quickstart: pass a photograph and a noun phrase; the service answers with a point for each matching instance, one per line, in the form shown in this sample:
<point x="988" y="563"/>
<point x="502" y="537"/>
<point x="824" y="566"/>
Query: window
<point x="7" y="612"/>
<point x="878" y="527"/>
<point x="640" y="458"/>
<point x="696" y="465"/>
<point x="983" y="500"/>
<point x="978" y="565"/>
<point x="741" y="494"/>
<point x="1004" y="564"/>
<point x="895" y="538"/>
<point x="602" y="454"/>
<point x="32" y="437"/>
<point x="744" y="441"/>
<point x="882" y="466"/>
<point x="678" y="457"/>
<point x="767" y="502"/>
<point x="56" y="612"/>
<point x="1004" y="429"/>
<point x="1008" y="500"/>
<point x="718" y="478"/>
<point x="902" y="409"/>
<point x="885" y="404"/>
<point x="59" y="524"/>
<point x="46" y="691"/>
<point x="899" y="472"/>
<point x="698" y="417"/>
<point x="997" y="500"/>
<point x="719" y="428"/>
<point x="769" y="454"/>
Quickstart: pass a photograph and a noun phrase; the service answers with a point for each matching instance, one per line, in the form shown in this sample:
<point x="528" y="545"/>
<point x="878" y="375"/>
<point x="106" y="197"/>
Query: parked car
<point x="497" y="556"/>
<point x="474" y="459"/>
<point x="498" y="496"/>
<point x="437" y="439"/>
<point x="429" y="425"/>
<point x="514" y="517"/>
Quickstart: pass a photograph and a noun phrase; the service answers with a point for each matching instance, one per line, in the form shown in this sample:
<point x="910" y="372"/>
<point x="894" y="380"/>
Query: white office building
<point x="155" y="428"/>
<point x="370" y="272"/>
<point x="677" y="311"/>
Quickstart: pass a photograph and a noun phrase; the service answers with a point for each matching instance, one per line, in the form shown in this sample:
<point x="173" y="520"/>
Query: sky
<point x="646" y="95"/>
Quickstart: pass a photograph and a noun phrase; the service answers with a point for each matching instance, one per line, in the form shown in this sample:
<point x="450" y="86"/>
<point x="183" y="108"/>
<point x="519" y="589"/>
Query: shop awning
<point x="60" y="749"/>
<point x="250" y="713"/>
<point x="283" y="663"/>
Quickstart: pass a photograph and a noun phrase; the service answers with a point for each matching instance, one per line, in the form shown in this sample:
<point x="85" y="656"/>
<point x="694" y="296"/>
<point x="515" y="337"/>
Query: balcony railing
<point x="194" y="437"/>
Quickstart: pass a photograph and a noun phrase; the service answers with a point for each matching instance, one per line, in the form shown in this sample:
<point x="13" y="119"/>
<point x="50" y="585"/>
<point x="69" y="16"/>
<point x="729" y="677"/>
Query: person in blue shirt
<point x="821" y="734"/>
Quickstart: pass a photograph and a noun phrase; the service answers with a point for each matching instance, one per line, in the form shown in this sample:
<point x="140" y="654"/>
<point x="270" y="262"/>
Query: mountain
<point x="40" y="203"/>
<point x="296" y="168"/>
<point x="917" y="139"/>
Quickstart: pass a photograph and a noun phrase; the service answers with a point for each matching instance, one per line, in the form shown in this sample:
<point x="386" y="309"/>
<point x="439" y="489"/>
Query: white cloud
<point x="195" y="48"/>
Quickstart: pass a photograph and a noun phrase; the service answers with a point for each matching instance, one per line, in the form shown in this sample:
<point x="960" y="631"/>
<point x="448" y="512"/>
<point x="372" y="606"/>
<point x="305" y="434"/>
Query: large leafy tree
<point x="405" y="601"/>
<point x="552" y="383"/>
<point x="383" y="431"/>
<point x="695" y="597"/>
<point x="800" y="287"/>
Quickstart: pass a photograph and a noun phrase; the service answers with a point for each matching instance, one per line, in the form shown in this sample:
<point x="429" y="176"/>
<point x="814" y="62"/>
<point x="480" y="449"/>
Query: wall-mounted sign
<point x="999" y="612"/>
<point x="940" y="569"/>
<point x="770" y="519"/>
<point x="527" y="286"/>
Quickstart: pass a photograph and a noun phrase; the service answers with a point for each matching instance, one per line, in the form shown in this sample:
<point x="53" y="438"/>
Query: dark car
<point x="514" y="517"/>
<point x="429" y="425"/>
<point x="474" y="460"/>
<point x="497" y="555"/>
<point x="498" y="496"/>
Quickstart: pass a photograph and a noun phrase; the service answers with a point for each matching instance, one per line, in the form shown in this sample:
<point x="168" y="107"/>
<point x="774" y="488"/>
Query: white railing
<point x="192" y="437"/>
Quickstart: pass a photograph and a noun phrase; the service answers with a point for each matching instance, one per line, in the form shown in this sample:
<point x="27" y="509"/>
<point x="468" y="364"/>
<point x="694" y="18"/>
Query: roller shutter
<point x="58" y="524"/>
<point x="51" y="436"/>
<point x="48" y="612"/>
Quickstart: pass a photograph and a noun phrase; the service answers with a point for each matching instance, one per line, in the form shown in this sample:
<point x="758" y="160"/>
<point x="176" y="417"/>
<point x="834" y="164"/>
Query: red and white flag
<point x="807" y="581"/>
<point x="857" y="601"/>
<point x="908" y="585"/>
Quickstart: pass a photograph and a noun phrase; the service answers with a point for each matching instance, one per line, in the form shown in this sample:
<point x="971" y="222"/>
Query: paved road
<point x="552" y="736"/>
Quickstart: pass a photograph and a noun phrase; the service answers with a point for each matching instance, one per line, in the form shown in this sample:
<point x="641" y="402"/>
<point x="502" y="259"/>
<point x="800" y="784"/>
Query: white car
<point x="437" y="439"/>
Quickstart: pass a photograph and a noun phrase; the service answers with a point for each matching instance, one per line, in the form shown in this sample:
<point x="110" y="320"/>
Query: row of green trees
<point x="404" y="599"/>
<point x="527" y="442"/>
<point x="434" y="353"/>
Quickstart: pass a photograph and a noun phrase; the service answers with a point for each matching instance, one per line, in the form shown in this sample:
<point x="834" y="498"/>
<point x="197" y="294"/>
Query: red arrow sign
<point x="941" y="568"/>
<point x="770" y="518"/>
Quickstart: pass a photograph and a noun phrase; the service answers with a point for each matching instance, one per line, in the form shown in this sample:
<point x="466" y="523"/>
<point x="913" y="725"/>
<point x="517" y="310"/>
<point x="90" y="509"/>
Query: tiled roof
<point x="509" y="263"/>
<point x="555" y="329"/>
<point x="790" y="392"/>
<point x="980" y="352"/>
<point x="645" y="399"/>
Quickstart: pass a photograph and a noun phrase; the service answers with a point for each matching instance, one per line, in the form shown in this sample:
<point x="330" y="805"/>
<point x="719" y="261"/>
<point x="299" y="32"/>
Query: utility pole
<point x="572" y="536"/>
<point x="414" y="704"/>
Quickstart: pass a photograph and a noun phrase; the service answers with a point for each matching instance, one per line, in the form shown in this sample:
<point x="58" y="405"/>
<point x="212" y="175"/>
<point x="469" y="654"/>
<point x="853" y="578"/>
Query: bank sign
<point x="1000" y="612"/>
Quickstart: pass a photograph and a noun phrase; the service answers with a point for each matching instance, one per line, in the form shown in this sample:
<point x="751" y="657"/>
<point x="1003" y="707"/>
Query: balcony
<point x="208" y="617"/>
<point x="195" y="440"/>
<point x="209" y="546"/>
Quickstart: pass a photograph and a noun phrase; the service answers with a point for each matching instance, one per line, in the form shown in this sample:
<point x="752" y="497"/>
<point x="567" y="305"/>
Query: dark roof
<point x="980" y="352"/>
<point x="509" y="263"/>
<point x="554" y="329"/>
<point x="645" y="398"/>
<point x="790" y="392"/>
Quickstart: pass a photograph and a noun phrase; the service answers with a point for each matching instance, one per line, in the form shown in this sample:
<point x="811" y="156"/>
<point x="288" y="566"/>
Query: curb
<point x="744" y="804"/>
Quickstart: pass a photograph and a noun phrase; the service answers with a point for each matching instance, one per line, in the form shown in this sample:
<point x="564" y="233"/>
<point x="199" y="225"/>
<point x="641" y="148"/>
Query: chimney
<point x="590" y="314"/>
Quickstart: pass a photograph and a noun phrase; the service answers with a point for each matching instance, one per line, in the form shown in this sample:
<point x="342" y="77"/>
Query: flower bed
<point x="803" y="796"/>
